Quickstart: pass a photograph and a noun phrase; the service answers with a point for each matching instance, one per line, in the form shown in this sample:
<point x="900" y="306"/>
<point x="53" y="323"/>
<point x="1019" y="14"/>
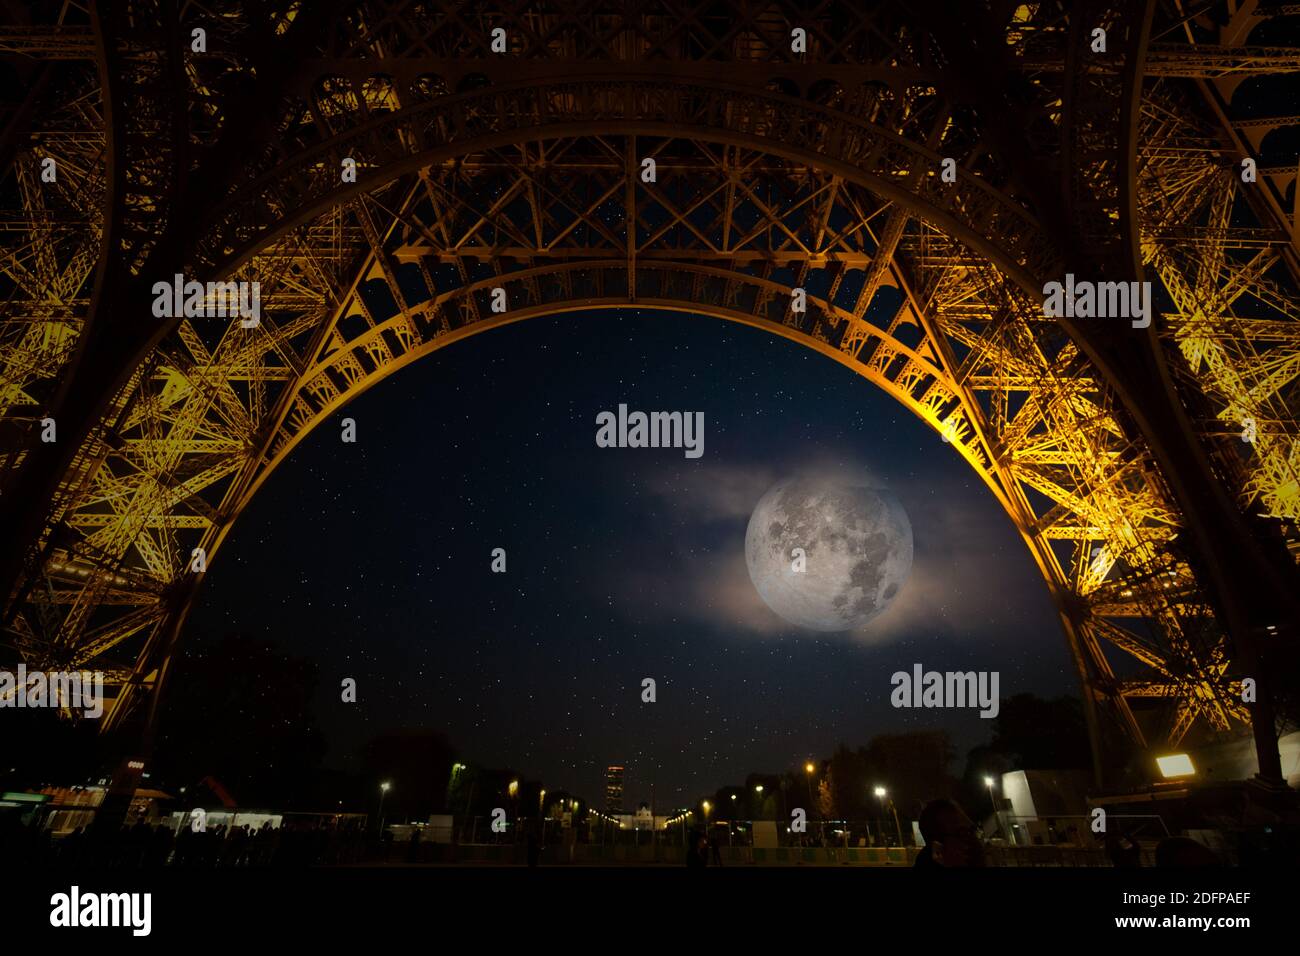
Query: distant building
<point x="1043" y="807"/>
<point x="643" y="819"/>
<point x="614" y="790"/>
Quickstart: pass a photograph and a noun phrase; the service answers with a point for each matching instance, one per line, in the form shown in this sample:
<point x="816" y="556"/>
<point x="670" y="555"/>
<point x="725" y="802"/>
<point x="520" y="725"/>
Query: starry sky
<point x="374" y="560"/>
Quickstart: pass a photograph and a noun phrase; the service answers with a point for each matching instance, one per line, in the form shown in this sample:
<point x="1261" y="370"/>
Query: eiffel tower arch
<point x="919" y="172"/>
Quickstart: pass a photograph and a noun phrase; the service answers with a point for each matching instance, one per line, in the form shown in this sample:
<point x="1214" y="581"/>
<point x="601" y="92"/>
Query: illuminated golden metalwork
<point x="480" y="170"/>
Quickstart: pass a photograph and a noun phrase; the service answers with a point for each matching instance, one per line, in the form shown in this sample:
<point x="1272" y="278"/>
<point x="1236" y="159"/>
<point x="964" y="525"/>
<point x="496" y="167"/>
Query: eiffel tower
<point x="391" y="172"/>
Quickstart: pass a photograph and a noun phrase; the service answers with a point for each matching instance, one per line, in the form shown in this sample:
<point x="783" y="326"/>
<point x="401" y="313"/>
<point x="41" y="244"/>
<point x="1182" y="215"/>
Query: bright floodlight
<point x="385" y="786"/>
<point x="988" y="781"/>
<point x="1175" y="765"/>
<point x="808" y="767"/>
<point x="759" y="788"/>
<point x="880" y="791"/>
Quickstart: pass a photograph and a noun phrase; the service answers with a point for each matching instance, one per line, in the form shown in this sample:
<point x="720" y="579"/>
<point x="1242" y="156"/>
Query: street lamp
<point x="880" y="795"/>
<point x="897" y="826"/>
<point x="813" y="810"/>
<point x="988" y="782"/>
<point x="383" y="792"/>
<point x="513" y="788"/>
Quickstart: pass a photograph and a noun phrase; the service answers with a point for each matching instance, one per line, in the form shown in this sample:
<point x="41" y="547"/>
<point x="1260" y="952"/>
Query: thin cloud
<point x="959" y="550"/>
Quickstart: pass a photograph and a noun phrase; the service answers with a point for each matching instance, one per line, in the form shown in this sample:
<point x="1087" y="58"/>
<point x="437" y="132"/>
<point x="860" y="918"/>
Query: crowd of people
<point x="951" y="839"/>
<point x="151" y="845"/>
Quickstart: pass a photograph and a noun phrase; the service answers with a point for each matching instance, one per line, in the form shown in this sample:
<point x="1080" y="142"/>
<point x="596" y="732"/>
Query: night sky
<point x="373" y="559"/>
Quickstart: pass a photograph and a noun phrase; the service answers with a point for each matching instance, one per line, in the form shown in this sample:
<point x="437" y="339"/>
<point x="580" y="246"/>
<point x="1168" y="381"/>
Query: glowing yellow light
<point x="1175" y="765"/>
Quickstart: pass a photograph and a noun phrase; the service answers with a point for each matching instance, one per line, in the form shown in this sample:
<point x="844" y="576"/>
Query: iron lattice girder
<point x="1204" y="61"/>
<point x="912" y="373"/>
<point x="484" y="183"/>
<point x="446" y="129"/>
<point x="1232" y="321"/>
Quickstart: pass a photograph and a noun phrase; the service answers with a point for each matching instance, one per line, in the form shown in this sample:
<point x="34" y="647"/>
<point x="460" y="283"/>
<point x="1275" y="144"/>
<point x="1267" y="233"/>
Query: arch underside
<point x="218" y="407"/>
<point x="532" y="186"/>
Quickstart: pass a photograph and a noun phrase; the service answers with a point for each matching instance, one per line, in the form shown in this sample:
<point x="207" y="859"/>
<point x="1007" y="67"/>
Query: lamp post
<point x="897" y="826"/>
<point x="512" y="788"/>
<point x="880" y="795"/>
<point x="988" y="782"/>
<point x="383" y="792"/>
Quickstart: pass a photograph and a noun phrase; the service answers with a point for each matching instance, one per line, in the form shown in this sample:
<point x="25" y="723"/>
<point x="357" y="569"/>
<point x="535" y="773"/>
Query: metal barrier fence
<point x="729" y="833"/>
<point x="579" y="854"/>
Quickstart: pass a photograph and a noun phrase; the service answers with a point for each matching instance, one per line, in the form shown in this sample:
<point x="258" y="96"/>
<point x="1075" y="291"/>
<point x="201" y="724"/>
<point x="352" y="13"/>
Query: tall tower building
<point x="613" y="789"/>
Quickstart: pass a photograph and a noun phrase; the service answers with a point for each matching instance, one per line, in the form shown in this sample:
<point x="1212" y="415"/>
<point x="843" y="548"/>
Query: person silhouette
<point x="950" y="837"/>
<point x="697" y="851"/>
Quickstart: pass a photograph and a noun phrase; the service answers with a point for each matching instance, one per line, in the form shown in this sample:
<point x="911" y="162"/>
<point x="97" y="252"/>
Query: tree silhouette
<point x="826" y="796"/>
<point x="240" y="711"/>
<point x="1038" y="734"/>
<point x="417" y="763"/>
<point x="912" y="767"/>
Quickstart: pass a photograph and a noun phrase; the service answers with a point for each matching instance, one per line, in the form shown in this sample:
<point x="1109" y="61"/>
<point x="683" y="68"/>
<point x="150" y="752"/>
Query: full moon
<point x="856" y="546"/>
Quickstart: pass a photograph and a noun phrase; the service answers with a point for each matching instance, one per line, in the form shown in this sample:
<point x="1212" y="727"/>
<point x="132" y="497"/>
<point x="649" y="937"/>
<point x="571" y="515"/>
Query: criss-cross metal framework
<point x="501" y="146"/>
